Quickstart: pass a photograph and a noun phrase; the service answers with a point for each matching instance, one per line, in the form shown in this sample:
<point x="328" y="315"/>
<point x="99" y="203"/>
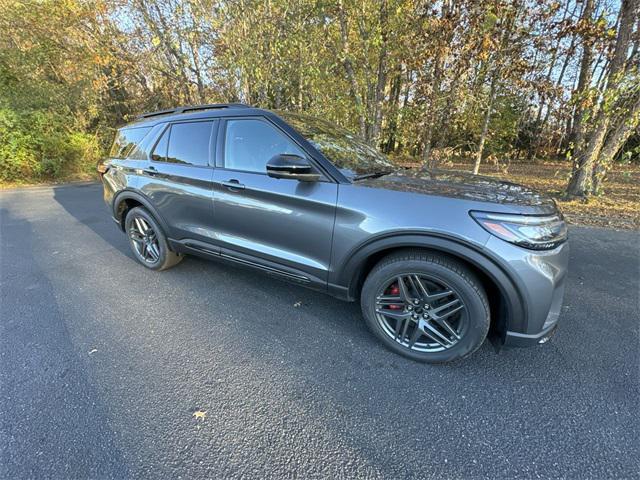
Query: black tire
<point x="160" y="257"/>
<point x="474" y="316"/>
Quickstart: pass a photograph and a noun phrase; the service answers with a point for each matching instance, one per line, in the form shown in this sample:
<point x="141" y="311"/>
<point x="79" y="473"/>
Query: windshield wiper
<point x="372" y="175"/>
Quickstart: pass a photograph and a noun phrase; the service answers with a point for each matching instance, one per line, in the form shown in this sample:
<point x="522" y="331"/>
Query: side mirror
<point x="294" y="167"/>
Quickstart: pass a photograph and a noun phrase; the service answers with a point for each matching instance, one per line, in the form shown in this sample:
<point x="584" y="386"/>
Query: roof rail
<point x="193" y="108"/>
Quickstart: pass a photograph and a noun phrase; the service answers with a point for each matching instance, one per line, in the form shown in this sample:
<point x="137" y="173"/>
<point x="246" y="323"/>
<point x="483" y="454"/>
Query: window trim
<point x="221" y="146"/>
<point x="215" y="122"/>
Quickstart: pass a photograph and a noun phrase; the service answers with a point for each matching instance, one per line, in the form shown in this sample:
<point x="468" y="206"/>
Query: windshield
<point x="352" y="155"/>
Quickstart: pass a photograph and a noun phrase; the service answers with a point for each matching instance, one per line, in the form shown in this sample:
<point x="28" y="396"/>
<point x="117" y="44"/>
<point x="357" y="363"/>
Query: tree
<point x="586" y="155"/>
<point x="422" y="80"/>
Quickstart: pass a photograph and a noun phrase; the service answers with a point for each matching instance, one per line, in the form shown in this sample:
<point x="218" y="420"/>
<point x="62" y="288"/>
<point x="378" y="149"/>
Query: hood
<point x="464" y="186"/>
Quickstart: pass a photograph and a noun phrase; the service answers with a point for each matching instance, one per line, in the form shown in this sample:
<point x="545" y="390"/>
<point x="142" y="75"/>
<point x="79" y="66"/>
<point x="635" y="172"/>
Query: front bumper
<point x="515" y="339"/>
<point x="539" y="277"/>
<point x="549" y="327"/>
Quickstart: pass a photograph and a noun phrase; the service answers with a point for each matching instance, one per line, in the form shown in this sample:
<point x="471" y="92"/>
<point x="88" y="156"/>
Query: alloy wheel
<point x="421" y="312"/>
<point x="145" y="240"/>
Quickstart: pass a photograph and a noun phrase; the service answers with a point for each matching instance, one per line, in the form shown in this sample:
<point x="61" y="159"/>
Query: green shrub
<point x="40" y="145"/>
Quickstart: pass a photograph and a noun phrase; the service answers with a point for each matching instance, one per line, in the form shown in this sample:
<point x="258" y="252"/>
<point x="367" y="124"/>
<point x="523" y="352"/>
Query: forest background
<point x="543" y="92"/>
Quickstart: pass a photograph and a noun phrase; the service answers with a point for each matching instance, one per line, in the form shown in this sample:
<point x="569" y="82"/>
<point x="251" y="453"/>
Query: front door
<point x="178" y="179"/>
<point x="279" y="222"/>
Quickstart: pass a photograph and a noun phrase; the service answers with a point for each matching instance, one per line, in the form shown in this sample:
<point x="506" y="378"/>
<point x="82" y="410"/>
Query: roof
<point x="195" y="112"/>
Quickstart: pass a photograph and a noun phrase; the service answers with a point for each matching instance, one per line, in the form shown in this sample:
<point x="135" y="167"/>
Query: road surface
<point x="103" y="364"/>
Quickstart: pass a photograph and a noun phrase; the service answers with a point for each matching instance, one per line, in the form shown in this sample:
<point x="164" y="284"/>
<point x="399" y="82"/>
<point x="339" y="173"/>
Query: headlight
<point x="536" y="232"/>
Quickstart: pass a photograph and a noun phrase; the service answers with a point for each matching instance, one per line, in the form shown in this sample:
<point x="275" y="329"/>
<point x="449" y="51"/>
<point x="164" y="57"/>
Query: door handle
<point x="150" y="171"/>
<point x="233" y="185"/>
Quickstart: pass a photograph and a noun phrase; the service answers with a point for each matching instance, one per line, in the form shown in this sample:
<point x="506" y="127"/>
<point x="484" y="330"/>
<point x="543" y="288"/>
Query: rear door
<point x="282" y="223"/>
<point x="178" y="178"/>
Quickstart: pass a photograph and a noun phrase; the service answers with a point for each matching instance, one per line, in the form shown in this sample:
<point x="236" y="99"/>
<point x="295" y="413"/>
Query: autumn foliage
<point x="499" y="80"/>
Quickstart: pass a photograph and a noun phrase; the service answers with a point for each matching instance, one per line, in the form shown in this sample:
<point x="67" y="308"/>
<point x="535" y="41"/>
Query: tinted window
<point x="250" y="144"/>
<point x="126" y="140"/>
<point x="351" y="154"/>
<point x="188" y="144"/>
<point x="160" y="151"/>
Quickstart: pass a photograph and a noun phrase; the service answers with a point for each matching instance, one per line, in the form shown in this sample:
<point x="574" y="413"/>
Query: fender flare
<point x="489" y="265"/>
<point x="142" y="199"/>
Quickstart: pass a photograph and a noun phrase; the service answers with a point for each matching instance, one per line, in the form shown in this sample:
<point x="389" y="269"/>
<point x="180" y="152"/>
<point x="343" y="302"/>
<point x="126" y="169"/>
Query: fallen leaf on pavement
<point x="200" y="414"/>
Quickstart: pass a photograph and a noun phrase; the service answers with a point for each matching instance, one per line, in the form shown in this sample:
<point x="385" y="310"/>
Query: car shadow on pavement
<point x="53" y="423"/>
<point x="85" y="203"/>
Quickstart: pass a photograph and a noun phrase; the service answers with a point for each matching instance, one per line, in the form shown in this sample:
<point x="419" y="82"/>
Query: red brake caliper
<point x="394" y="290"/>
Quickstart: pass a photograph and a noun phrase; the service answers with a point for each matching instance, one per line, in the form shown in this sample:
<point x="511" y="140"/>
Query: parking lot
<point x="103" y="363"/>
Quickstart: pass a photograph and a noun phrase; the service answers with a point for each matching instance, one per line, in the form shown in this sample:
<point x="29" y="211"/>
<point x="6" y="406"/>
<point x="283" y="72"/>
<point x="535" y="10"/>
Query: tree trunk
<point x="382" y="76"/>
<point x="351" y="75"/>
<point x="614" y="142"/>
<point x="485" y="125"/>
<point x="580" y="182"/>
<point x="541" y="122"/>
<point x="394" y="101"/>
<point x="584" y="79"/>
<point x="581" y="178"/>
<point x="300" y="79"/>
<point x="435" y="88"/>
<point x="433" y="112"/>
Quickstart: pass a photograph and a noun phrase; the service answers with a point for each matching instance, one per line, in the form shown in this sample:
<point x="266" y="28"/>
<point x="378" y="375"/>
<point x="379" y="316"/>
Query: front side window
<point x="250" y="144"/>
<point x="126" y="140"/>
<point x="185" y="143"/>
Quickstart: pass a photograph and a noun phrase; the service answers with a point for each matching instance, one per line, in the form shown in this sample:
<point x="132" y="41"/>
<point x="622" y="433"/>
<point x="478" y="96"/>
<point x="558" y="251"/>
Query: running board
<point x="211" y="251"/>
<point x="266" y="268"/>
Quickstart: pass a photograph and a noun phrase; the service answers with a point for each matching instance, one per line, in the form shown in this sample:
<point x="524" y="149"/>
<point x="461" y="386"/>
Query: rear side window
<point x="126" y="140"/>
<point x="186" y="143"/>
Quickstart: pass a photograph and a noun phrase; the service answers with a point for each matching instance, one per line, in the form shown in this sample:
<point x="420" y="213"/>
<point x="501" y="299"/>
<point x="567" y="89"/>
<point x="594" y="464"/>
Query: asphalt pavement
<point x="103" y="364"/>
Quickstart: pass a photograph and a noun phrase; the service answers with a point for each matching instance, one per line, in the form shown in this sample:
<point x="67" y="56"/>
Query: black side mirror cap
<point x="294" y="167"/>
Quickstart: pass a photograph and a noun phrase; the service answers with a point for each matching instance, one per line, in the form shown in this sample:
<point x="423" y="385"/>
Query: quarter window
<point x="160" y="151"/>
<point x="250" y="144"/>
<point x="126" y="140"/>
<point x="185" y="143"/>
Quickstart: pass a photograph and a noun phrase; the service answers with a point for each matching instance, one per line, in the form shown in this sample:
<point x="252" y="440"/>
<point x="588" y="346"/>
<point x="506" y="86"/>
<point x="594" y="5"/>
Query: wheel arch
<point x="508" y="311"/>
<point x="128" y="199"/>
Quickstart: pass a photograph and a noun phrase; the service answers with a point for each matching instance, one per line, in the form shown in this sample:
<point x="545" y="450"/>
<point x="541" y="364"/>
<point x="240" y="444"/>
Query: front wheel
<point x="425" y="306"/>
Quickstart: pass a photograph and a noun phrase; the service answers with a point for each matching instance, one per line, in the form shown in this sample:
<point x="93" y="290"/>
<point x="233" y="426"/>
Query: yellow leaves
<point x="200" y="414"/>
<point x="101" y="59"/>
<point x="486" y="46"/>
<point x="554" y="7"/>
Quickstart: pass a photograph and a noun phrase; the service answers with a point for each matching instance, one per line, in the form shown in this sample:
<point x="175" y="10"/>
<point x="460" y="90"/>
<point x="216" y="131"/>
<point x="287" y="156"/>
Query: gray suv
<point x="438" y="260"/>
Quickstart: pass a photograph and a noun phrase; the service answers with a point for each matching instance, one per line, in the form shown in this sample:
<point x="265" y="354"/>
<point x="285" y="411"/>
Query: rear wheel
<point x="425" y="306"/>
<point x="147" y="241"/>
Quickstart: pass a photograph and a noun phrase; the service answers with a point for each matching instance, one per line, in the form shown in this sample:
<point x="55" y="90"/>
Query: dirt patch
<point x="80" y="178"/>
